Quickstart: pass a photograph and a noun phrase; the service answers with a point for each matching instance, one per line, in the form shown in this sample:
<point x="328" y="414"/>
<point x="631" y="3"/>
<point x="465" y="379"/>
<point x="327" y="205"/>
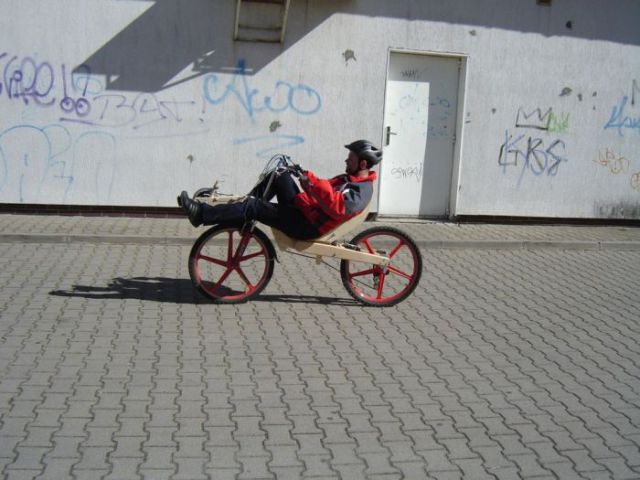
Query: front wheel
<point x="231" y="266"/>
<point x="381" y="286"/>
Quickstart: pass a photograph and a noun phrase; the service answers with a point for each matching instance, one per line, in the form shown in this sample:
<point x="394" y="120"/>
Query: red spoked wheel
<point x="231" y="266"/>
<point x="382" y="286"/>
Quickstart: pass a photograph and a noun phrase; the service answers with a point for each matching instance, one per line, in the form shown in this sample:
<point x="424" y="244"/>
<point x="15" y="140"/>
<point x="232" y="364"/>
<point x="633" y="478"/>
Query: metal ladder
<point x="261" y="20"/>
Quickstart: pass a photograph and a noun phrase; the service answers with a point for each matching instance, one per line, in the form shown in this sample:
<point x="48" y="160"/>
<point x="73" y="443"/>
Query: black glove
<point x="297" y="170"/>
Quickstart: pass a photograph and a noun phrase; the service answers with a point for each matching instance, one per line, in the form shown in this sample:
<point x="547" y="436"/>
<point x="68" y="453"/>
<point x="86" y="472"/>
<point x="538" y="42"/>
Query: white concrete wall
<point x="113" y="102"/>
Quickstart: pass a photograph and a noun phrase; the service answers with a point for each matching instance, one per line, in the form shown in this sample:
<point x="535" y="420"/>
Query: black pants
<point x="282" y="215"/>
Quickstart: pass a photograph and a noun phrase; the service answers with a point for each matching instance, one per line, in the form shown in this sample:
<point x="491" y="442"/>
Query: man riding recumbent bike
<point x="233" y="261"/>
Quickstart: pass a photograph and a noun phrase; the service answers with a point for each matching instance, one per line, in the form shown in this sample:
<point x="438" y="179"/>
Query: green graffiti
<point x="558" y="123"/>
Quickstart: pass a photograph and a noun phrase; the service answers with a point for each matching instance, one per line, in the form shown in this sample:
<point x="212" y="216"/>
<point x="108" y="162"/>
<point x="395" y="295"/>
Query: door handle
<point x="388" y="135"/>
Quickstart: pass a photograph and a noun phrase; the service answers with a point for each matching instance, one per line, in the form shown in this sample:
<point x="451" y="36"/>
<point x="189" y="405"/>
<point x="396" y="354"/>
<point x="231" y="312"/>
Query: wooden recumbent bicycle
<point x="380" y="266"/>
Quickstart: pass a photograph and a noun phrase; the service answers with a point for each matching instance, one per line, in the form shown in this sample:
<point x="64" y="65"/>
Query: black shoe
<point x="193" y="208"/>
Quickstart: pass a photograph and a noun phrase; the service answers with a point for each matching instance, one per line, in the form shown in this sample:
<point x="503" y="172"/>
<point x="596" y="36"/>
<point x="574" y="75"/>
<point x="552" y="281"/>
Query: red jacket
<point x="328" y="203"/>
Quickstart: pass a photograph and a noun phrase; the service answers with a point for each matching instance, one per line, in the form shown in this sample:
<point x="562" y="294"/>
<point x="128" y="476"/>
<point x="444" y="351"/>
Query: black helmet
<point x="365" y="150"/>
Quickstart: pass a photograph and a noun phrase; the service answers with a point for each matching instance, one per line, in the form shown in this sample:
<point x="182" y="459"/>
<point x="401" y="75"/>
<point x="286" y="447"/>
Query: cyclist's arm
<point x="321" y="190"/>
<point x="336" y="204"/>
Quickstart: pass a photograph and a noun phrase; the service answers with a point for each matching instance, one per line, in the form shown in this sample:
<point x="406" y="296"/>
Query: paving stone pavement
<point x="505" y="363"/>
<point x="177" y="231"/>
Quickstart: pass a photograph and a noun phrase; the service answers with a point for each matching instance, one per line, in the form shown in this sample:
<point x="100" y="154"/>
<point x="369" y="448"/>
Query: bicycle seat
<point x="344" y="228"/>
<point x="284" y="241"/>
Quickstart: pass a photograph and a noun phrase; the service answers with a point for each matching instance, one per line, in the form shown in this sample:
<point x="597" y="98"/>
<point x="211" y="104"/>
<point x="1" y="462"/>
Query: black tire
<point x="378" y="286"/>
<point x="214" y="255"/>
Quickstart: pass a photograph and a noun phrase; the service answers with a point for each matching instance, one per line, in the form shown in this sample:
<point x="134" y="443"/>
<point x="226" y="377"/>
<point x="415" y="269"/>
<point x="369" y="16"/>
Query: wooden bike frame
<point x="325" y="246"/>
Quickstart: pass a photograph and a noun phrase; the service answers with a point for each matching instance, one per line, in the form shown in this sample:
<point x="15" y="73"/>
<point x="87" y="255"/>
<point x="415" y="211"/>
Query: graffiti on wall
<point x="621" y="119"/>
<point x="42" y="164"/>
<point x="548" y="121"/>
<point x="615" y="163"/>
<point x="81" y="111"/>
<point x="269" y="145"/>
<point x="435" y="114"/>
<point x="531" y="153"/>
<point x="282" y="95"/>
<point x="78" y="96"/>
<point x="413" y="172"/>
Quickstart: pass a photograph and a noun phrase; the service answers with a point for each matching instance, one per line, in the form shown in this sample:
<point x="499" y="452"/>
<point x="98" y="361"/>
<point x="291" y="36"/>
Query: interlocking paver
<point x="505" y="363"/>
<point x="124" y="468"/>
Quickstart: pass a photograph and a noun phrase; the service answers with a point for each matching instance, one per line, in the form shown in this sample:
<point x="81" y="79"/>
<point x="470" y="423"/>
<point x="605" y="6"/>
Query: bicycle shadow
<point x="178" y="290"/>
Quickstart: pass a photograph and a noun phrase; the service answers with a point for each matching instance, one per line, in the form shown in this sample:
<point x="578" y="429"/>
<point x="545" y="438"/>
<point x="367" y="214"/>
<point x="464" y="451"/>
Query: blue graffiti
<point x="299" y="98"/>
<point x="2" y="55"/>
<point x="93" y="167"/>
<point x="275" y="143"/>
<point x="29" y="157"/>
<point x="619" y="120"/>
<point x="39" y="165"/>
<point x="533" y="157"/>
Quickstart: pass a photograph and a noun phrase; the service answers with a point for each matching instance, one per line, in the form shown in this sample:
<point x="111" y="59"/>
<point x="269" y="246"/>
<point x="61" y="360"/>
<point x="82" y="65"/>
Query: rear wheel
<point x="230" y="266"/>
<point x="377" y="285"/>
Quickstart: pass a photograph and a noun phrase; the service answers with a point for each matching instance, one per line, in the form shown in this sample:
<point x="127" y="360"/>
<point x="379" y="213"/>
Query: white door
<point x="421" y="105"/>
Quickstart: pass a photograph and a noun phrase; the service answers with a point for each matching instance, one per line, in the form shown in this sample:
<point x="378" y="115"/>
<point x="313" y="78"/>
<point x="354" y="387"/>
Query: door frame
<point x="455" y="185"/>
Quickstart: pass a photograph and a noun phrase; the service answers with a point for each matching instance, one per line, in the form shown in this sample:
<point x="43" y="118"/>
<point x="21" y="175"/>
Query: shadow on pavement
<point x="177" y="290"/>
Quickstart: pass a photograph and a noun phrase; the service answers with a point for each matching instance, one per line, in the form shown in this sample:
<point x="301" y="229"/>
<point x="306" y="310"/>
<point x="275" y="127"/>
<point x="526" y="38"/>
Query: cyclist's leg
<point x="282" y="216"/>
<point x="237" y="213"/>
<point x="231" y="213"/>
<point x="292" y="222"/>
<point x="260" y="190"/>
<point x="287" y="188"/>
<point x="284" y="187"/>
